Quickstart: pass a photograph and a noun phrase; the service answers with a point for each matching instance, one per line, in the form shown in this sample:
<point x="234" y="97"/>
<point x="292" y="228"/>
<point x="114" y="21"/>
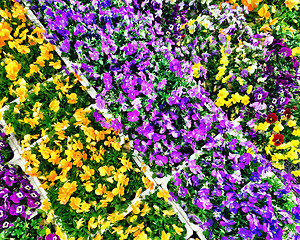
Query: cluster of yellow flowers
<point x="234" y="99"/>
<point x="283" y="141"/>
<point x="18" y="44"/>
<point x="136" y="220"/>
<point x="70" y="152"/>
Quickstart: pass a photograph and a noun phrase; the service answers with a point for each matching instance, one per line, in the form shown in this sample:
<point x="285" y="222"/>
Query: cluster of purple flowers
<point x="233" y="194"/>
<point x="17" y="196"/>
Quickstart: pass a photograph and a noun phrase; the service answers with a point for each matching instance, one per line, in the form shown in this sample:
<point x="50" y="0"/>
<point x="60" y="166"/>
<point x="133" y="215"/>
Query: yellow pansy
<point x="278" y="165"/>
<point x="178" y="230"/>
<point x="164" y="194"/>
<point x="133" y="218"/>
<point x="278" y="127"/>
<point x="292" y="154"/>
<point x="3" y="101"/>
<point x="165" y="236"/>
<point x="296" y="51"/>
<point x="249" y="89"/>
<point x="245" y="100"/>
<point x="92" y="223"/>
<point x="168" y="212"/>
<point x="291" y="3"/>
<point x="9" y="129"/>
<point x="236" y="98"/>
<point x="220" y="102"/>
<point x="98" y="237"/>
<point x="54" y="105"/>
<point x="46" y="205"/>
<point x="12" y="69"/>
<point x="145" y="209"/>
<point x="291" y="123"/>
<point x="296" y="132"/>
<point x="37" y="88"/>
<point x="263" y="12"/>
<point x="85" y="207"/>
<point x="72" y="98"/>
<point x="296" y="173"/>
<point x="262" y="126"/>
<point x="56" y="65"/>
<point x="241" y="81"/>
<point x="223" y="93"/>
<point x="118" y="230"/>
<point x="79" y="223"/>
<point x="22" y="93"/>
<point x="295" y="143"/>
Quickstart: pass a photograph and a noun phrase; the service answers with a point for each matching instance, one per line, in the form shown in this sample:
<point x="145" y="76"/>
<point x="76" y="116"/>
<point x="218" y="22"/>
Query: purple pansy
<point x="161" y="160"/>
<point x="16" y="197"/>
<point x="65" y="46"/>
<point x="130" y="48"/>
<point x="5" y="225"/>
<point x="52" y="236"/>
<point x="16" y="209"/>
<point x="175" y="65"/>
<point x="133" y="116"/>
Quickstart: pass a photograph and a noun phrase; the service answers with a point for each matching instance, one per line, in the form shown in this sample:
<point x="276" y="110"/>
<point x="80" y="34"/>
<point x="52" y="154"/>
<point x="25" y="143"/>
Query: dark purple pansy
<point x="33" y="203"/>
<point x="28" y="187"/>
<point x="107" y="79"/>
<point x="33" y="194"/>
<point x="100" y="103"/>
<point x="52" y="236"/>
<point x="16" y="197"/>
<point x="9" y="178"/>
<point x="260" y="96"/>
<point x="286" y="52"/>
<point x="16" y="209"/>
<point x="245" y="233"/>
<point x="175" y="65"/>
<point x="5" y="225"/>
<point x="65" y="46"/>
<point x="3" y="144"/>
<point x="156" y="6"/>
<point x="4" y="193"/>
<point x="130" y="48"/>
<point x="296" y="212"/>
<point x="204" y="203"/>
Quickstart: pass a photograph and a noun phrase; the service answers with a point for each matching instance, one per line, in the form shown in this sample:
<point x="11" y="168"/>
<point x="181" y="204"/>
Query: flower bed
<point x="18" y="202"/>
<point x="24" y="52"/>
<point x="172" y="99"/>
<point x="232" y="195"/>
<point x="85" y="174"/>
<point x="48" y="103"/>
<point x="151" y="217"/>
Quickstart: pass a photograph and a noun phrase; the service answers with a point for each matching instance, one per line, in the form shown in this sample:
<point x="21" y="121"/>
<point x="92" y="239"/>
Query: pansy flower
<point x="272" y="118"/>
<point x="52" y="236"/>
<point x="16" y="209"/>
<point x="5" y="225"/>
<point x="16" y="197"/>
<point x="278" y="139"/>
<point x="287" y="113"/>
